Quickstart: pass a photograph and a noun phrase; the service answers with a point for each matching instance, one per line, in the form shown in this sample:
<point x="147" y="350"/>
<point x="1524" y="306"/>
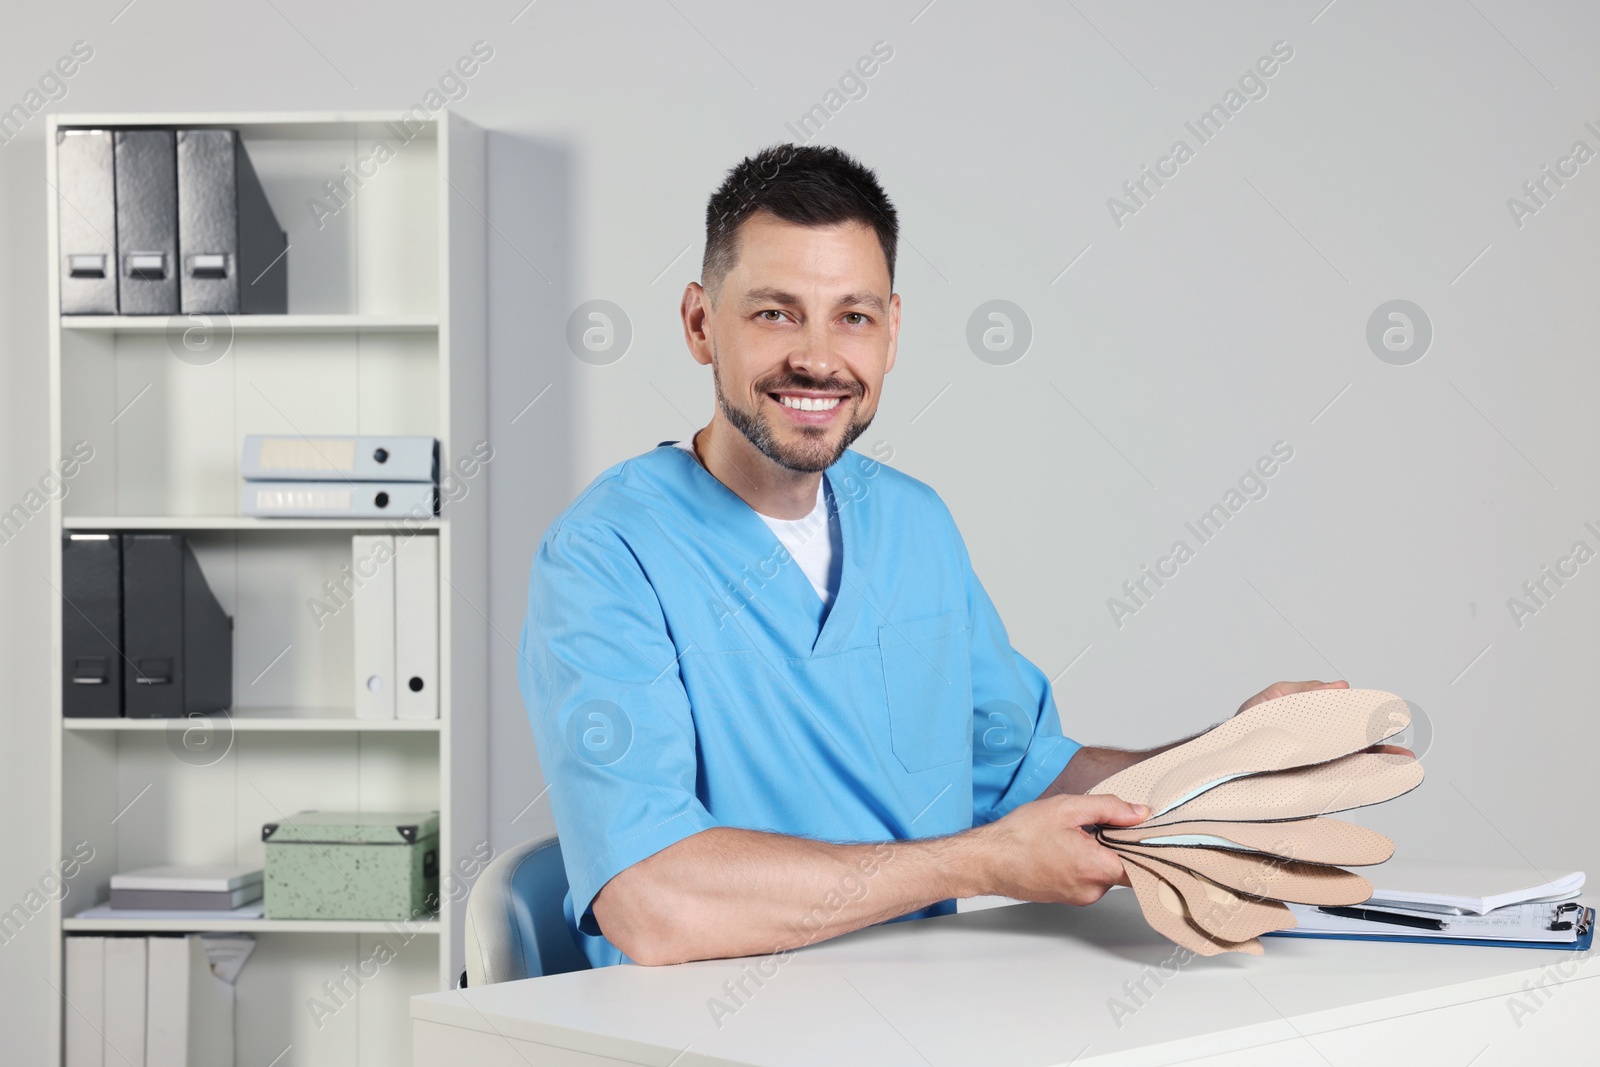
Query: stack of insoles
<point x="1237" y="816"/>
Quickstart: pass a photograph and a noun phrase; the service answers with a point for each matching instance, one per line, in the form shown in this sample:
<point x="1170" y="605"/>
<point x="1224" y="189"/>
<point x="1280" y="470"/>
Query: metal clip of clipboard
<point x="1572" y="916"/>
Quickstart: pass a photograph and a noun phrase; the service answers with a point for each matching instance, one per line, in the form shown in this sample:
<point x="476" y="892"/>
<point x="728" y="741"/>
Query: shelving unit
<point x="385" y="335"/>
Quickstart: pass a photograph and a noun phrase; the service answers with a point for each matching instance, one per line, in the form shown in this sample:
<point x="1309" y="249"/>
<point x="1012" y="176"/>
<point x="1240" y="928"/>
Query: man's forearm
<point x="726" y="892"/>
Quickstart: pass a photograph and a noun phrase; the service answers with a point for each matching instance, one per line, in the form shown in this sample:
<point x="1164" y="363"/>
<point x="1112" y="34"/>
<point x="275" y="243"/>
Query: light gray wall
<point x="1223" y="316"/>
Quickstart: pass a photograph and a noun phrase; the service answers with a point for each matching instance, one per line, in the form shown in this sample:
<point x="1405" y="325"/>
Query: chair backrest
<point x="516" y="927"/>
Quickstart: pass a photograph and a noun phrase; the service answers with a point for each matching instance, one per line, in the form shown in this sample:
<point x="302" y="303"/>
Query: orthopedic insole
<point x="1309" y="840"/>
<point x="1236" y="824"/>
<point x="1217" y="910"/>
<point x="1167" y="913"/>
<point x="1291" y="731"/>
<point x="1352" y="781"/>
<point x="1268" y="877"/>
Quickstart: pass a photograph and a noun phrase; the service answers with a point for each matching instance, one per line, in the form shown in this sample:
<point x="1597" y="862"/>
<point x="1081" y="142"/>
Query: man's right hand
<point x="1042" y="852"/>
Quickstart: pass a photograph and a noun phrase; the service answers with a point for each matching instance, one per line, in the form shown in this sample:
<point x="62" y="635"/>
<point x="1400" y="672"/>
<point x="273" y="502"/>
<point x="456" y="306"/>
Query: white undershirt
<point x="818" y="556"/>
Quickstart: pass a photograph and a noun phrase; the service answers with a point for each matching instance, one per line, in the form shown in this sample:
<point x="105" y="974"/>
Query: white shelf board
<point x="279" y="123"/>
<point x="239" y="522"/>
<point x="248" y="926"/>
<point x="259" y="323"/>
<point x="266" y="720"/>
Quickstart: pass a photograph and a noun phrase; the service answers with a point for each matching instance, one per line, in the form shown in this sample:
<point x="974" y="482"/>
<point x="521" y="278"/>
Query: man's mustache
<point x="817" y="385"/>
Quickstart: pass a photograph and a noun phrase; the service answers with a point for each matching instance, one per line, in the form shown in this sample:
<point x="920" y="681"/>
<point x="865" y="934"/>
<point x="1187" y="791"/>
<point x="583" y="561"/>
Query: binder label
<point x="298" y="454"/>
<point x="269" y="499"/>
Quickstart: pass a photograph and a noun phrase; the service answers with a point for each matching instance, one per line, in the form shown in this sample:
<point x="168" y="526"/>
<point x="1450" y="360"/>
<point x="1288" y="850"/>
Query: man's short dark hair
<point x="812" y="185"/>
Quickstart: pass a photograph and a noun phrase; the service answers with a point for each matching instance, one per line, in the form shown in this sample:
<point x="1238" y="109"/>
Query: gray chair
<point x="515" y="925"/>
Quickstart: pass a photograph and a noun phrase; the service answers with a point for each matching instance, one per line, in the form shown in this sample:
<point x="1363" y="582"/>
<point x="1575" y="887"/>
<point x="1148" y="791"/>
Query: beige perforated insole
<point x="1288" y="731"/>
<point x="1237" y="827"/>
<point x="1352" y="781"/>
<point x="1268" y="877"/>
<point x="1218" y="911"/>
<point x="1316" y="840"/>
<point x="1167" y="914"/>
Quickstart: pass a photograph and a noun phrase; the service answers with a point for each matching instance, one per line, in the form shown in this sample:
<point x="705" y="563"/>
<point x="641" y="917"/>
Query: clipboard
<point x="1582" y="941"/>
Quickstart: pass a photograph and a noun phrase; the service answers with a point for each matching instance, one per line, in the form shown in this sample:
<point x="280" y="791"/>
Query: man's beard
<point x="813" y="453"/>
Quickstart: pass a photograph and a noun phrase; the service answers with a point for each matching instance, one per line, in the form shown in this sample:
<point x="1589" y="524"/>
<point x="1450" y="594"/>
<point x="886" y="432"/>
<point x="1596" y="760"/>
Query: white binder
<point x="190" y="1019"/>
<point x="416" y="627"/>
<point x="339" y="500"/>
<point x="86" y="999"/>
<point x="125" y="1002"/>
<point x="373" y="564"/>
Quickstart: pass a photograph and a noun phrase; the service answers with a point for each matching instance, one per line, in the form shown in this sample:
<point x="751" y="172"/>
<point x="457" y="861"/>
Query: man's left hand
<point x="1283" y="689"/>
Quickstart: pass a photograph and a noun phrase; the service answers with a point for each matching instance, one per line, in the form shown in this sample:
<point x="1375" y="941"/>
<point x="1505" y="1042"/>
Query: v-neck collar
<point x="729" y="508"/>
<point x="842" y="611"/>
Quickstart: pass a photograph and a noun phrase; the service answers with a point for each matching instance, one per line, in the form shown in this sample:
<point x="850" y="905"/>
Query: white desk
<point x="1033" y="985"/>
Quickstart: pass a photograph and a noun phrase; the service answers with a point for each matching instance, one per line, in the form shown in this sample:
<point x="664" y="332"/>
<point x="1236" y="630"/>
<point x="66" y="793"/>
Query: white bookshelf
<point x="385" y="335"/>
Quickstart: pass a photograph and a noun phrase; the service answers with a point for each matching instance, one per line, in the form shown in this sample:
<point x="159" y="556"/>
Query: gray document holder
<point x="231" y="249"/>
<point x="86" y="226"/>
<point x="147" y="222"/>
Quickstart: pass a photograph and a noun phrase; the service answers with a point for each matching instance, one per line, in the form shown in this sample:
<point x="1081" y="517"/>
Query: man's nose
<point x="813" y="353"/>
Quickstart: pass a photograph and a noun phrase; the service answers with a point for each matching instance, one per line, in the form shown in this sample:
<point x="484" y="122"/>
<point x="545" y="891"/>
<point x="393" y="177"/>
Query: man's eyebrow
<point x="770" y="295"/>
<point x="865" y="299"/>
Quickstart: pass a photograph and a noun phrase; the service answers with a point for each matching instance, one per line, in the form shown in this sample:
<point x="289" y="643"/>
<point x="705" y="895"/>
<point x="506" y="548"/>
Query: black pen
<point x="1416" y="921"/>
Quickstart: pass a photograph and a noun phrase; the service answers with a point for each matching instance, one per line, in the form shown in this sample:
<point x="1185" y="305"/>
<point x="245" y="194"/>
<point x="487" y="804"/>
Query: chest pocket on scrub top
<point x="927" y="676"/>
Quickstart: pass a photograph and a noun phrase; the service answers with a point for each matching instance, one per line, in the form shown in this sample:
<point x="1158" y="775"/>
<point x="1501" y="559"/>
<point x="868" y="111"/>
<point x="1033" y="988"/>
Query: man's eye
<point x="772" y="316"/>
<point x="855" y="318"/>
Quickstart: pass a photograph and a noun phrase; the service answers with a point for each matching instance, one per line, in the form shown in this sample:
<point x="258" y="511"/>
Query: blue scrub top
<point x="680" y="672"/>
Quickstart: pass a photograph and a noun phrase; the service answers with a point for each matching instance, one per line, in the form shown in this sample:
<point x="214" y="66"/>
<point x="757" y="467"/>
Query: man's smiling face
<point x="800" y="334"/>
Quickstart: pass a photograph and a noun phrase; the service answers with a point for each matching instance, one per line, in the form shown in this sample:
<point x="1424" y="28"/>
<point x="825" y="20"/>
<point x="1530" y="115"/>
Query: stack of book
<point x="186" y="888"/>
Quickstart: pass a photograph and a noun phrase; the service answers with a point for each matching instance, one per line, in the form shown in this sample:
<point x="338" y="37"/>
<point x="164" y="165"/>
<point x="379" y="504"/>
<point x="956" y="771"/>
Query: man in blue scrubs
<point x="771" y="698"/>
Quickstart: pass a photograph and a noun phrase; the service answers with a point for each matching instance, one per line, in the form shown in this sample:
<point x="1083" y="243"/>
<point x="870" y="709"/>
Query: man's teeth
<point x="810" y="403"/>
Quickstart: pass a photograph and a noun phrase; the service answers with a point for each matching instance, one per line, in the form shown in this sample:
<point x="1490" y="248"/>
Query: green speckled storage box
<point x="352" y="865"/>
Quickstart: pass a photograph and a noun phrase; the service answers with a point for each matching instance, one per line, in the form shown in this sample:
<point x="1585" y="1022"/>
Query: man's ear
<point x="894" y="331"/>
<point x="696" y="314"/>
